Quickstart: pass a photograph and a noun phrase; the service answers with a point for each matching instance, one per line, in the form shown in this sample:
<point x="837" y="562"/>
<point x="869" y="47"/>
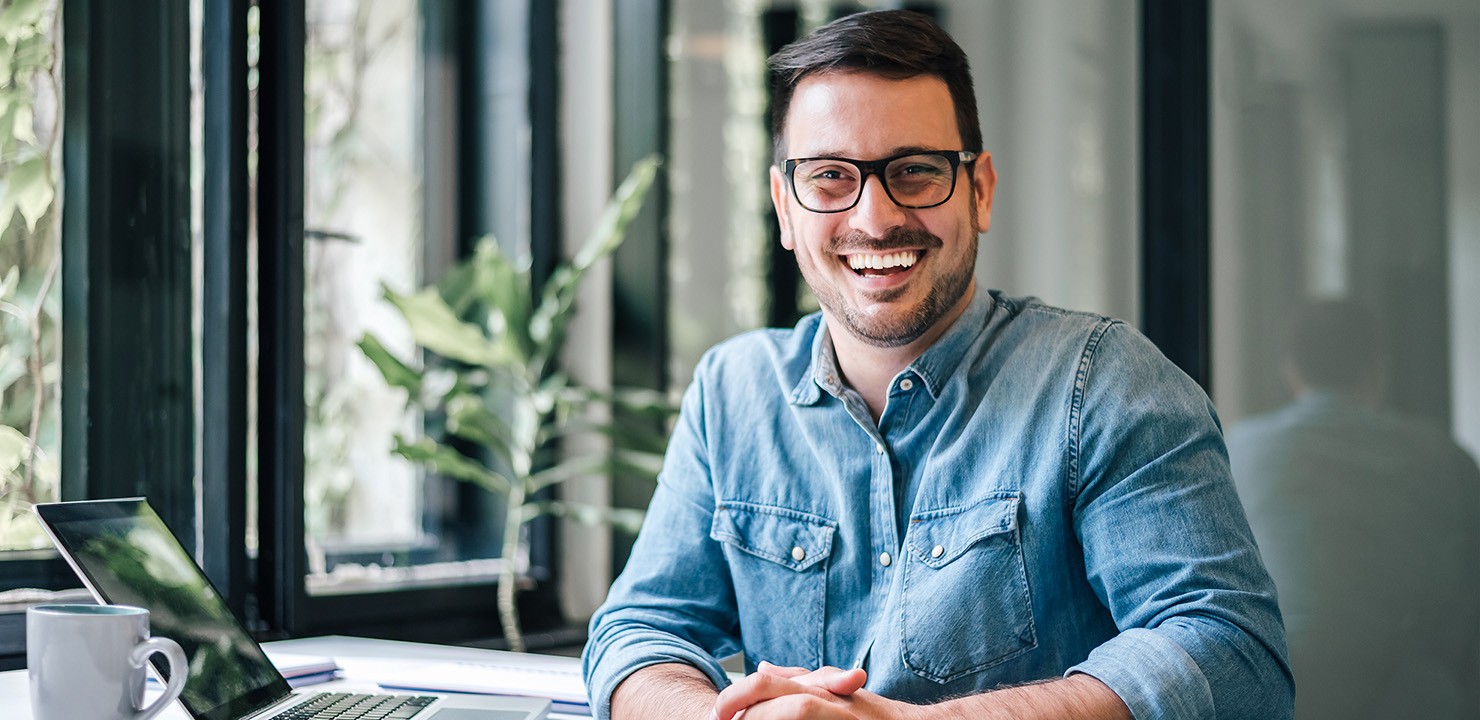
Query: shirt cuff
<point x="1153" y="676"/>
<point x="619" y="660"/>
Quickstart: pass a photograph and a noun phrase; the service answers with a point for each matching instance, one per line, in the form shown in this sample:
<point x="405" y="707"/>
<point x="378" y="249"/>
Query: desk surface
<point x="361" y="656"/>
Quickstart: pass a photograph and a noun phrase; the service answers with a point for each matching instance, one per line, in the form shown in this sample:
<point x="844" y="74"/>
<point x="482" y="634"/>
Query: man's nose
<point x="875" y="214"/>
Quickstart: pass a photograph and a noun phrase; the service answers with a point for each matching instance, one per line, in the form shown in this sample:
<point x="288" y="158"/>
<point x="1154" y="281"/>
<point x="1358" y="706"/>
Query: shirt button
<point x="884" y="559"/>
<point x="880" y="448"/>
<point x="937" y="551"/>
<point x="906" y="384"/>
<point x="798" y="554"/>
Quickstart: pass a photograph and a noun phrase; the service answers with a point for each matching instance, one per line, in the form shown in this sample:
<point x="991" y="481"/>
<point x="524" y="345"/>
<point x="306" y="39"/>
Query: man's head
<point x="893" y="44"/>
<point x="872" y="188"/>
<point x="1334" y="345"/>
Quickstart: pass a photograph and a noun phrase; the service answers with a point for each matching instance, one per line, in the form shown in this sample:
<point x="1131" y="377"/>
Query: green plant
<point x="30" y="267"/>
<point x="491" y="378"/>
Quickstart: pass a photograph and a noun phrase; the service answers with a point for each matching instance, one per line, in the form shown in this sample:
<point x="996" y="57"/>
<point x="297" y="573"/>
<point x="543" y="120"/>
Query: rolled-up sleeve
<point x="675" y="601"/>
<point x="1167" y="547"/>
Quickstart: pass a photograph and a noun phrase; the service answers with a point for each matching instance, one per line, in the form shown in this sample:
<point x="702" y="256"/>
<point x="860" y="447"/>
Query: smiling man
<point x="931" y="500"/>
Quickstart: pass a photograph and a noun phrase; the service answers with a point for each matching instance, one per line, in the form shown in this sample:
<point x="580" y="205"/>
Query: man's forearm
<point x="671" y="691"/>
<point x="1078" y="696"/>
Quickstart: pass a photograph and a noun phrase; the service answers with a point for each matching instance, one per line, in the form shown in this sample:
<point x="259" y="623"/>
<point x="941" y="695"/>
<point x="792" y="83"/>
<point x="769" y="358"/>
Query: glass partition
<point x="1346" y="337"/>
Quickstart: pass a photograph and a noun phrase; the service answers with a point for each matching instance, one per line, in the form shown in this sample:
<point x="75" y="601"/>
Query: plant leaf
<point x="19" y="14"/>
<point x="451" y="463"/>
<point x="435" y="327"/>
<point x="547" y="326"/>
<point x="622" y="518"/>
<point x="27" y="190"/>
<point x="469" y="419"/>
<point x="395" y="372"/>
<point x="13" y="449"/>
<point x="621" y="462"/>
<point x="505" y="290"/>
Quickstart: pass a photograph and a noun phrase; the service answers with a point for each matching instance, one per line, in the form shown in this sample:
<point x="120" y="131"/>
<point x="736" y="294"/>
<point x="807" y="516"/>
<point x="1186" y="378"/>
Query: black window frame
<point x="127" y="245"/>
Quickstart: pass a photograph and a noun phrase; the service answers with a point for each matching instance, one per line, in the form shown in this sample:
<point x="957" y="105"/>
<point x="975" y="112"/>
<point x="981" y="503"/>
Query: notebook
<point x="125" y="555"/>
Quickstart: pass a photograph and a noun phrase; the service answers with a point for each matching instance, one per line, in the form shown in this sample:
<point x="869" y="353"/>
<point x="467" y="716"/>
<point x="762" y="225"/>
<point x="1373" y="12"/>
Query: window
<point x="30" y="268"/>
<point x="225" y="264"/>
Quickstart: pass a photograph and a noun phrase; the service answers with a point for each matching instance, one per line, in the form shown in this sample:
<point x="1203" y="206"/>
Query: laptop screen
<point x="126" y="556"/>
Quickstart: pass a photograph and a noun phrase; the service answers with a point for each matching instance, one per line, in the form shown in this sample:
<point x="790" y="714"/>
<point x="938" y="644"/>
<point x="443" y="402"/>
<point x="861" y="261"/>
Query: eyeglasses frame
<point x="956" y="158"/>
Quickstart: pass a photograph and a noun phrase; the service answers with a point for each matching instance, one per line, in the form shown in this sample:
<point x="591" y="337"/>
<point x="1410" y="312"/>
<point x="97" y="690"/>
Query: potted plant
<point x="491" y="376"/>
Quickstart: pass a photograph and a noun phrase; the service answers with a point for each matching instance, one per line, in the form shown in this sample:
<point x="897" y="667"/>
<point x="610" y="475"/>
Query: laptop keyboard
<point x="353" y="706"/>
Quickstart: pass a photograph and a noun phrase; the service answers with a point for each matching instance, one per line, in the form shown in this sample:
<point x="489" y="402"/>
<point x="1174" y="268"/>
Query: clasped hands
<point x="829" y="693"/>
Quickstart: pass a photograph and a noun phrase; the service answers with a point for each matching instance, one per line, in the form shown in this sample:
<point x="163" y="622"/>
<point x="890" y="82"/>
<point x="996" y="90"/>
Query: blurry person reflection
<point x="1368" y="522"/>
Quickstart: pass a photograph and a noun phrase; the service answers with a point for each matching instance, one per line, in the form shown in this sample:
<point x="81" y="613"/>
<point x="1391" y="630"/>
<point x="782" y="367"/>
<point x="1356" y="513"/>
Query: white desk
<point x="365" y="662"/>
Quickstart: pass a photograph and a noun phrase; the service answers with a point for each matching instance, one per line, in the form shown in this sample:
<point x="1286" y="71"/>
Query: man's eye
<point x="920" y="170"/>
<point x="829" y="174"/>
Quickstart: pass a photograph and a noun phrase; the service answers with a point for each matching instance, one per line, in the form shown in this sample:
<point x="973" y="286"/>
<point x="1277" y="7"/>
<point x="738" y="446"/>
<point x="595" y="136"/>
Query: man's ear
<point x="983" y="183"/>
<point x="779" y="201"/>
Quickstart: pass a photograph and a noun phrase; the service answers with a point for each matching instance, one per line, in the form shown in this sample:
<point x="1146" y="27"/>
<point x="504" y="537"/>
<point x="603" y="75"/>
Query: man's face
<point x="928" y="255"/>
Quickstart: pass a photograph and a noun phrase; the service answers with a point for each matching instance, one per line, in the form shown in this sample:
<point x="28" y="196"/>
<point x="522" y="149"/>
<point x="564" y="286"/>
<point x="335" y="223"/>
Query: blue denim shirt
<point x="1044" y="493"/>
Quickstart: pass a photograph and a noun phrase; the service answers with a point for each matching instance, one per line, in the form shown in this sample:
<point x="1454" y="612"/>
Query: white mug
<point x="87" y="661"/>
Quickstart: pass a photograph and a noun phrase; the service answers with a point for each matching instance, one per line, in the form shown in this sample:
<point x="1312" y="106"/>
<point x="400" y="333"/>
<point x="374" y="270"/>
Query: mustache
<point x="896" y="239"/>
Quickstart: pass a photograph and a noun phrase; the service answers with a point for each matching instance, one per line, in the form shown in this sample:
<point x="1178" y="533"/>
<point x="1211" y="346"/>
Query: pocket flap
<point x="790" y="538"/>
<point x="939" y="536"/>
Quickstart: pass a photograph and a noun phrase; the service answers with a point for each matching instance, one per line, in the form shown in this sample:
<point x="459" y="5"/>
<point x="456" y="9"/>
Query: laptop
<point x="125" y="555"/>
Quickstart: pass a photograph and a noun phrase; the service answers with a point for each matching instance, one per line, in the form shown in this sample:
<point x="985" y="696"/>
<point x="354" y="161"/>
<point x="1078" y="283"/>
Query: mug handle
<point x="178" y="672"/>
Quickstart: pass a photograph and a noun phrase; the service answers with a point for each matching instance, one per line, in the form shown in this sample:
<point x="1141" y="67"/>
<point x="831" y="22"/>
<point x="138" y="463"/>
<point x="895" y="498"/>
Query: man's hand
<point x="828" y="693"/>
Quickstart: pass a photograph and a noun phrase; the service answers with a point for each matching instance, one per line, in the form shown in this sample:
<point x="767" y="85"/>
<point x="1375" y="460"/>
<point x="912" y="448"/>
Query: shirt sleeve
<point x="674" y="602"/>
<point x="1167" y="546"/>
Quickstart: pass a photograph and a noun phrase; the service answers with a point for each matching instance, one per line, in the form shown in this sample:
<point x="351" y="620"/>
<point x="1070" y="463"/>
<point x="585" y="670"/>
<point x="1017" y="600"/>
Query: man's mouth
<point x="879" y="265"/>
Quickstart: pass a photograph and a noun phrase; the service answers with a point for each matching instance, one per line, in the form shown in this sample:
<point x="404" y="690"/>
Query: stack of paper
<point x="561" y="683"/>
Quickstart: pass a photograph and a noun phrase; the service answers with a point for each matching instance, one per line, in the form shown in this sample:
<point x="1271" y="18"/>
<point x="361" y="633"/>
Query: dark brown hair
<point x="1334" y="344"/>
<point x="895" y="44"/>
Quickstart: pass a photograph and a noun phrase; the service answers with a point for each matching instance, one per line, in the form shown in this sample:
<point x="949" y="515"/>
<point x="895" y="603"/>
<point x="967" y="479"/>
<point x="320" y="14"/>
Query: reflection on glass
<point x="136" y="562"/>
<point x="1346" y="334"/>
<point x="1367" y="520"/>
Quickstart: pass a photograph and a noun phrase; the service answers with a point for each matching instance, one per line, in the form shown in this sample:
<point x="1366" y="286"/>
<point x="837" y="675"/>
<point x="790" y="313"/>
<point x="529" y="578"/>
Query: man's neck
<point x="869" y="369"/>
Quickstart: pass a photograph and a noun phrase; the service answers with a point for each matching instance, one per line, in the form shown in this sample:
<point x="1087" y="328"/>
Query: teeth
<point x="904" y="258"/>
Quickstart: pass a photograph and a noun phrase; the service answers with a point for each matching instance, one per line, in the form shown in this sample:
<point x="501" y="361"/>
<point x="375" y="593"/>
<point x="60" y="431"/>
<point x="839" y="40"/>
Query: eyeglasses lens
<point x="829" y="185"/>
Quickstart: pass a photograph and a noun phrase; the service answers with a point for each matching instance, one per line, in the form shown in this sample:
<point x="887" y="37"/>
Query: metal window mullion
<point x="282" y="559"/>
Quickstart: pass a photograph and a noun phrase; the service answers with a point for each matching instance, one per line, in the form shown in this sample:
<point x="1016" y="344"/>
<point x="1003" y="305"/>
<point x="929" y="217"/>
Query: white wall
<point x="586" y="132"/>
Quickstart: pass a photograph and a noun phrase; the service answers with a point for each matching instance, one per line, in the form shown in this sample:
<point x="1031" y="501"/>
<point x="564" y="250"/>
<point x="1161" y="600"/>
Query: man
<point x="1370" y="524"/>
<point x="926" y="493"/>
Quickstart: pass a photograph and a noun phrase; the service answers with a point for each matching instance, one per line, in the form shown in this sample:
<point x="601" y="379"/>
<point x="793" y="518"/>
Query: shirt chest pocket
<point x="778" y="560"/>
<point x="966" y="604"/>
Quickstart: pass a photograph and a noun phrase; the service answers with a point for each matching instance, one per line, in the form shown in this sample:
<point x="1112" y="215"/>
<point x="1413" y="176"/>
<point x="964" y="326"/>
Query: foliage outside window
<point x="30" y="266"/>
<point x="363" y="209"/>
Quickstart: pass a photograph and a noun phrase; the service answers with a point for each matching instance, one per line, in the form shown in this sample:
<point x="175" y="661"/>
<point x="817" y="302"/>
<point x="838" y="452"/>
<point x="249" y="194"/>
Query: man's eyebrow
<point x="901" y="150"/>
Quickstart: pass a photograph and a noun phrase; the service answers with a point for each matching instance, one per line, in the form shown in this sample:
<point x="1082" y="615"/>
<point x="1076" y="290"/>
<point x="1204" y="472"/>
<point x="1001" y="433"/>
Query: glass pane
<point x="1346" y="321"/>
<point x="1056" y="92"/>
<point x="30" y="266"/>
<point x="372" y="517"/>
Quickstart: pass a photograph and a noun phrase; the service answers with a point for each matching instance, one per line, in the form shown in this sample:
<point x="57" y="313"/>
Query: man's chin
<point x="896" y="330"/>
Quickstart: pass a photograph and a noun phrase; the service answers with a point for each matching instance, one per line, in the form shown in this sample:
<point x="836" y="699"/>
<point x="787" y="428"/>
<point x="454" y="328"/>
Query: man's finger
<point x="840" y="682"/>
<point x="759" y="687"/>
<point x="781" y="671"/>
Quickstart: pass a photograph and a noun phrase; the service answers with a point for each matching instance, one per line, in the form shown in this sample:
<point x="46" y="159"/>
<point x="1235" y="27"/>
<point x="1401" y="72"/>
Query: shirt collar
<point x="934" y="366"/>
<point x="939" y="361"/>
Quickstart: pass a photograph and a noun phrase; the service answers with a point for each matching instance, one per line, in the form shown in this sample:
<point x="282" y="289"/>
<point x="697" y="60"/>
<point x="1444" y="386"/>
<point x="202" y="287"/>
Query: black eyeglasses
<point x="913" y="180"/>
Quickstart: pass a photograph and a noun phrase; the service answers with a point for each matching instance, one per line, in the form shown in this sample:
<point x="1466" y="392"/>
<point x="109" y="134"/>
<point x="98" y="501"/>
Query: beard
<point x="903" y="328"/>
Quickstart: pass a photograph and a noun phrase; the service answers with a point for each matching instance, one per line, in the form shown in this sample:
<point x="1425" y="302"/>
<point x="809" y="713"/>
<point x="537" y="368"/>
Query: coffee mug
<point x="87" y="661"/>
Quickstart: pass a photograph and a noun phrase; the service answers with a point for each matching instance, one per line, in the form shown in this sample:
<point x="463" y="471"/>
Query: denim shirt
<point x="1044" y="493"/>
